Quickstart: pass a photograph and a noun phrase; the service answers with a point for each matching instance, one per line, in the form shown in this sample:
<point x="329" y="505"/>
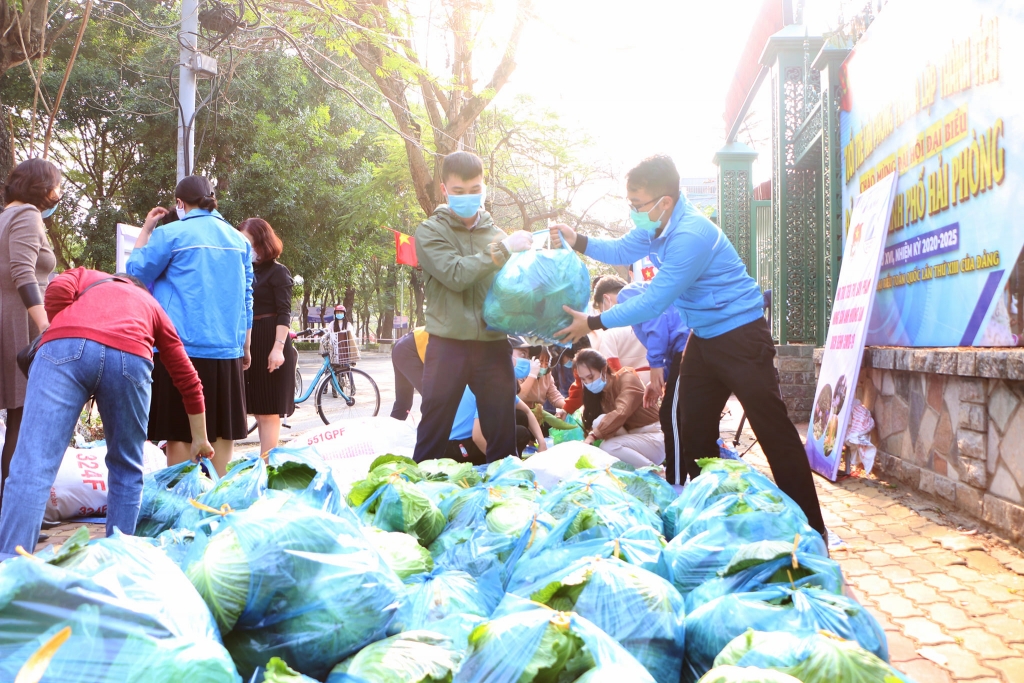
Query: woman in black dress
<point x="270" y="381"/>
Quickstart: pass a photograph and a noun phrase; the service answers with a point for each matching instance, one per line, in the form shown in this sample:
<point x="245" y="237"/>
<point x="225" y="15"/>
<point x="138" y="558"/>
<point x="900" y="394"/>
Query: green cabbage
<point x="510" y="516"/>
<point x="401" y="552"/>
<point x="290" y="476"/>
<point x="817" y="658"/>
<point x="222" y="578"/>
<point x="278" y="671"/>
<point x="749" y="674"/>
<point x="381" y="474"/>
<point x="643" y="612"/>
<point x="446" y="469"/>
<point x="561" y="654"/>
<point x="411" y="657"/>
<point x="403" y="507"/>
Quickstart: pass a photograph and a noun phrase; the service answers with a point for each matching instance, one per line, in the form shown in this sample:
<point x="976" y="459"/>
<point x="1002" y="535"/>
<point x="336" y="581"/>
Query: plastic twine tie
<point x="618" y="482"/>
<point x="796" y="544"/>
<point x="225" y="509"/>
<point x="35" y="667"/>
<point x="24" y="553"/>
<point x="617" y="549"/>
<point x="533" y="532"/>
<point x="561" y="619"/>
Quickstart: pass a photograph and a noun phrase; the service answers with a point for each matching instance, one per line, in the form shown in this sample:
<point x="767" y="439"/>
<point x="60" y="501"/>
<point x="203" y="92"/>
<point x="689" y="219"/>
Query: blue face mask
<point x="465" y="205"/>
<point x="644" y="221"/>
<point x="522" y="368"/>
<point x="49" y="212"/>
<point x="568" y="364"/>
<point x="597" y="386"/>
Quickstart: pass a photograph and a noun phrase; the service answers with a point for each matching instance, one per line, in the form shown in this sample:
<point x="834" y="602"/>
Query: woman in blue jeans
<point x="99" y="344"/>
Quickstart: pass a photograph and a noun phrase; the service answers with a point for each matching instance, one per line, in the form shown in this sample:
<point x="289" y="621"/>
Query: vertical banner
<point x="844" y="347"/>
<point x="126" y="237"/>
<point x="936" y="88"/>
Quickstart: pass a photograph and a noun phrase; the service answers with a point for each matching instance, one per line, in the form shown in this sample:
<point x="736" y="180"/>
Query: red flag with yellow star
<point x="405" y="249"/>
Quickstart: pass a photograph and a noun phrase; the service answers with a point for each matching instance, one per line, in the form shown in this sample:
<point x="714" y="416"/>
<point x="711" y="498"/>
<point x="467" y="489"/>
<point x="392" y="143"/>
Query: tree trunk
<point x="417" y="290"/>
<point x="305" y="306"/>
<point x="389" y="326"/>
<point x="350" y="301"/>
<point x="6" y="150"/>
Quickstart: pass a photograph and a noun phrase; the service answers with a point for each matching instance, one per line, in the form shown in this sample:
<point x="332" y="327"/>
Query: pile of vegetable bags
<point x="436" y="572"/>
<point x="131" y="613"/>
<point x="527" y="294"/>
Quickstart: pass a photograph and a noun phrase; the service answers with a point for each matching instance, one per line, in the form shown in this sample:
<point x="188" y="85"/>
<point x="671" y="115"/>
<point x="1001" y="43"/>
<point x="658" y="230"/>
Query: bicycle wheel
<point x="298" y="383"/>
<point x="359" y="398"/>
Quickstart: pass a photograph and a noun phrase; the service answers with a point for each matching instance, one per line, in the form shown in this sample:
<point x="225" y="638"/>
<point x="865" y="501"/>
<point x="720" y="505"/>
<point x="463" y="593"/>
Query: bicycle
<point x="341" y="391"/>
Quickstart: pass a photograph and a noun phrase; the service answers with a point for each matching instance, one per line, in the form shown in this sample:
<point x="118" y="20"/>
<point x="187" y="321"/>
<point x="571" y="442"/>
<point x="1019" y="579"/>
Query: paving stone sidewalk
<point x="949" y="595"/>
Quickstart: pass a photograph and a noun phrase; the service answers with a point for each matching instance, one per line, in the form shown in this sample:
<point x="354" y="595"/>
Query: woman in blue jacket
<point x="731" y="350"/>
<point x="200" y="270"/>
<point x="664" y="338"/>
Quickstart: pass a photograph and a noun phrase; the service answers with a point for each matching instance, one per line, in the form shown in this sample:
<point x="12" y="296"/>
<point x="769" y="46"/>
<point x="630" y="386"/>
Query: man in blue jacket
<point x="731" y="350"/>
<point x="664" y="337"/>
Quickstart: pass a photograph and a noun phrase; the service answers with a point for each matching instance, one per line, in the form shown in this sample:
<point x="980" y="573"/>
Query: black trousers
<point x="408" y="375"/>
<point x="486" y="367"/>
<point x="740" y="362"/>
<point x="473" y="453"/>
<point x="670" y="415"/>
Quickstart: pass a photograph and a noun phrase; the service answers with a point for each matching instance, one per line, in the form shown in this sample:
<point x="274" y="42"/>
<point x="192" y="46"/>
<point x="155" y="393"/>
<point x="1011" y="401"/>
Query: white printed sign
<point x="126" y="237"/>
<point x="851" y="311"/>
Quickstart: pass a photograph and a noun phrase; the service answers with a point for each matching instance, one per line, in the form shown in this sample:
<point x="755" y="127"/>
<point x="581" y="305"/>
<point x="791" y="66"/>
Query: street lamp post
<point x="187" y="86"/>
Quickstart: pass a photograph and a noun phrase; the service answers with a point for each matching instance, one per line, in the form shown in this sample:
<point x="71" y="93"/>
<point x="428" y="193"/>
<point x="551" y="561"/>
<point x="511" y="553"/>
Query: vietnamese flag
<point x="405" y="250"/>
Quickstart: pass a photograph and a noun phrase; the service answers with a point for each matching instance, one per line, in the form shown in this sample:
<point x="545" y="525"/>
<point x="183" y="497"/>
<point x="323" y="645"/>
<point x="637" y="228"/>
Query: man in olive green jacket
<point x="460" y="250"/>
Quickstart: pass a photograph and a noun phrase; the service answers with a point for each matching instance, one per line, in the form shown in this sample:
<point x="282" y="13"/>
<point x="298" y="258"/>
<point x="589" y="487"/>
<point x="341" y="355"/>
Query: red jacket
<point x="123" y="317"/>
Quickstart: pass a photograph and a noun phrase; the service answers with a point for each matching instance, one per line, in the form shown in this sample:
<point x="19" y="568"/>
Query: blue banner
<point x="932" y="93"/>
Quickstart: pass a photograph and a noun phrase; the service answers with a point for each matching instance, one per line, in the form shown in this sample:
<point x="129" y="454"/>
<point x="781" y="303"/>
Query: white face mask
<point x="180" y="211"/>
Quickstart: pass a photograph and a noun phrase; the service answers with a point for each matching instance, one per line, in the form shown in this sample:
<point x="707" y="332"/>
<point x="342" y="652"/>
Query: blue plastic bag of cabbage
<point x="709" y="544"/>
<point x="284" y="579"/>
<point x="757" y="566"/>
<point x="133" y="616"/>
<point x="529" y="643"/>
<point x="718" y="477"/>
<point x="243" y="484"/>
<point x="166" y="494"/>
<point x="529" y="291"/>
<point x="641" y="546"/>
<point x="300" y="471"/>
<point x="815" y="658"/>
<point x="804" y="611"/>
<point x="643" y="612"/>
<point x="449" y="602"/>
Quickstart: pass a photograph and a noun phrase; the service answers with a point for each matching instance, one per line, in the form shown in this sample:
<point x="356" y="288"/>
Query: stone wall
<point x="797" y="378"/>
<point x="950" y="422"/>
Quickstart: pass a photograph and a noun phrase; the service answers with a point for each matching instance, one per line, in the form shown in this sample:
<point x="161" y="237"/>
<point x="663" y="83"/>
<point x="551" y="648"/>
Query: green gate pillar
<point x="797" y="304"/>
<point x="735" y="164"/>
<point x="828" y="62"/>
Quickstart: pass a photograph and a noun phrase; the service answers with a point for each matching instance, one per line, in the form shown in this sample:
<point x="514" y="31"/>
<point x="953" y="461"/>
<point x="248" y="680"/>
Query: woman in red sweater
<point x="100" y="343"/>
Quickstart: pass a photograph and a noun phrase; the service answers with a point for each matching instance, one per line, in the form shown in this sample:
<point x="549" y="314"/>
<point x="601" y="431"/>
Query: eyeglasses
<point x="640" y="207"/>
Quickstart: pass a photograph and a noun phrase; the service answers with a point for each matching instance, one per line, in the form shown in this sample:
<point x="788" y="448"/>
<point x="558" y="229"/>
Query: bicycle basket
<point x="340" y="347"/>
